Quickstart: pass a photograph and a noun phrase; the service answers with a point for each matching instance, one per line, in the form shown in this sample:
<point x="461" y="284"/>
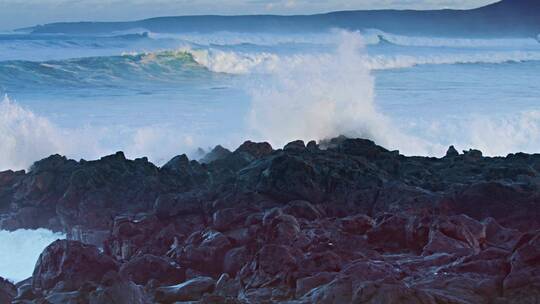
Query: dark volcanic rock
<point x="188" y="291"/>
<point x="342" y="221"/>
<point x="217" y="153"/>
<point x="68" y="265"/>
<point x="142" y="269"/>
<point x="8" y="291"/>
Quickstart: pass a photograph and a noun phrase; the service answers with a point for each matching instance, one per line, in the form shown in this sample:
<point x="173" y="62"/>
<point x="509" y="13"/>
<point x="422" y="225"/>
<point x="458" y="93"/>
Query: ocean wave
<point x="58" y="47"/>
<point x="261" y="39"/>
<point x="385" y="62"/>
<point x="180" y="64"/>
<point x="243" y="63"/>
<point x="164" y="66"/>
<point x="374" y="37"/>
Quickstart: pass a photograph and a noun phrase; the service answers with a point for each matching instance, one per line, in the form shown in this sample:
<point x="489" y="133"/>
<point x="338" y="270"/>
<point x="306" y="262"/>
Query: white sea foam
<point x="232" y="62"/>
<point x="419" y="41"/>
<point x="325" y="96"/>
<point x="27" y="137"/>
<point x="225" y="38"/>
<point x="20" y="251"/>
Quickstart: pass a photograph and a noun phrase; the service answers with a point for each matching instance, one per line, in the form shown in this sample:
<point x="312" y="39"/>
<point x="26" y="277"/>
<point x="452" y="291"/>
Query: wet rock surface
<point x="8" y="291"/>
<point x="342" y="221"/>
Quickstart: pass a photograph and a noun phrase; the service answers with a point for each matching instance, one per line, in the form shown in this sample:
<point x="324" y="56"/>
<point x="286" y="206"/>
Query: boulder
<point x="235" y="259"/>
<point x="191" y="290"/>
<point x="71" y="264"/>
<point x="357" y="224"/>
<point x="302" y="210"/>
<point x="144" y="268"/>
<point x="205" y="251"/>
<point x="229" y="218"/>
<point x="380" y="292"/>
<point x="305" y="285"/>
<point x="123" y="292"/>
<point x="297" y="145"/>
<point x="170" y="205"/>
<point x="256" y="150"/>
<point x="525" y="266"/>
<point x="227" y="286"/>
<point x="339" y="290"/>
<point x="451" y="152"/>
<point x="217" y="153"/>
<point x="8" y="291"/>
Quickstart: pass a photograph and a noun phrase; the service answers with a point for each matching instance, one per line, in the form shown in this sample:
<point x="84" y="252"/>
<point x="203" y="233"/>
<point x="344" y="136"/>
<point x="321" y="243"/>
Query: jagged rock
<point x="177" y="164"/>
<point x="390" y="233"/>
<point x="302" y="209"/>
<point x="217" y="153"/>
<point x="170" y="205"/>
<point x="271" y="264"/>
<point x="8" y="291"/>
<point x="339" y="222"/>
<point x="304" y="285"/>
<point x="25" y="292"/>
<point x="72" y="297"/>
<point x="337" y="291"/>
<point x="525" y="270"/>
<point x="451" y="152"/>
<point x="148" y="267"/>
<point x="312" y="145"/>
<point x="357" y="224"/>
<point x="72" y="264"/>
<point x="205" y="251"/>
<point x="235" y="259"/>
<point x="439" y="242"/>
<point x="376" y="292"/>
<point x="121" y="292"/>
<point x="227" y="287"/>
<point x="472" y="155"/>
<point x="499" y="236"/>
<point x="191" y="290"/>
<point x="256" y="150"/>
<point x="229" y="218"/>
<point x="297" y="145"/>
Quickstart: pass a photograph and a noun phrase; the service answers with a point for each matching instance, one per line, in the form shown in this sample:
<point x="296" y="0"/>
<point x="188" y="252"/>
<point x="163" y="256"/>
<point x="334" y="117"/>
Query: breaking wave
<point x="324" y="97"/>
<point x="300" y="95"/>
<point x="373" y="37"/>
<point x="180" y="64"/>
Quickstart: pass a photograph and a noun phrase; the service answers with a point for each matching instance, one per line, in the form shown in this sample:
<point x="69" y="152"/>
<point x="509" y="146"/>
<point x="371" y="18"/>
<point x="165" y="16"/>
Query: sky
<point x="21" y="13"/>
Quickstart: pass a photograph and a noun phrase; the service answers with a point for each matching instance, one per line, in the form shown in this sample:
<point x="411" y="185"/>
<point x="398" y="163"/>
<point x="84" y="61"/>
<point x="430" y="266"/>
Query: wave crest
<point x="244" y="63"/>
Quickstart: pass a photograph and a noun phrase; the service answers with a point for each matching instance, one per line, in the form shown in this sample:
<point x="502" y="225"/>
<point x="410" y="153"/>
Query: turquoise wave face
<point x="109" y="71"/>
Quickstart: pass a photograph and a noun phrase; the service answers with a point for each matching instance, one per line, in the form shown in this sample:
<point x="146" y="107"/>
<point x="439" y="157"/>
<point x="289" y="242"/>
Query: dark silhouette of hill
<point x="501" y="19"/>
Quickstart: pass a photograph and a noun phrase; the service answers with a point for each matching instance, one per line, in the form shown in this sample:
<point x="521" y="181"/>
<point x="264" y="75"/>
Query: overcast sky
<point x="21" y="13"/>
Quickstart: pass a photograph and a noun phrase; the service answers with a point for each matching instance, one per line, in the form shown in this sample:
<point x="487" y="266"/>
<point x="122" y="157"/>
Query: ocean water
<point x="21" y="250"/>
<point x="159" y="95"/>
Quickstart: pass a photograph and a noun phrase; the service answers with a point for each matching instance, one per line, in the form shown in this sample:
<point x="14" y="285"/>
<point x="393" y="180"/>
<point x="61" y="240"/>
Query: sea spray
<point x="23" y="249"/>
<point x="322" y="97"/>
<point x="24" y="136"/>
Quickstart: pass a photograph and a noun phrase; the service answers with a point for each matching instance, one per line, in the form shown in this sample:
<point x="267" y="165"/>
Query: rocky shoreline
<point x="340" y="221"/>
